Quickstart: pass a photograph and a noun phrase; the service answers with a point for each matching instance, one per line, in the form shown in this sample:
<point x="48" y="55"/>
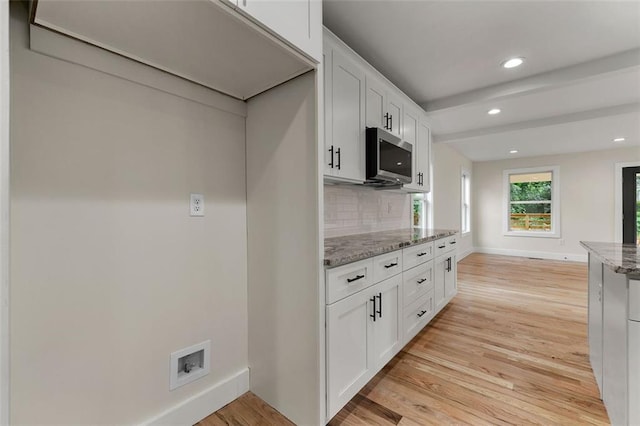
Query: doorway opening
<point x="631" y="205"/>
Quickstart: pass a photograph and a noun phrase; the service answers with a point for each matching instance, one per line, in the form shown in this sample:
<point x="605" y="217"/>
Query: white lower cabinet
<point x="376" y="306"/>
<point x="363" y="334"/>
<point x="445" y="283"/>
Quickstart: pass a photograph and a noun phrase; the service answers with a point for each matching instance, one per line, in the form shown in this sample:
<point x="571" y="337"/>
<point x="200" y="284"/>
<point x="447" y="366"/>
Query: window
<point x="421" y="204"/>
<point x="532" y="202"/>
<point x="465" y="196"/>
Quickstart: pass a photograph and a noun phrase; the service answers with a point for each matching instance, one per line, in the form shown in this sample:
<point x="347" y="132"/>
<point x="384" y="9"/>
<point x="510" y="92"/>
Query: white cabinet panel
<point x="387" y="265"/>
<point x="350" y="362"/>
<point x="376" y="107"/>
<point x="595" y="319"/>
<point x="394" y="109"/>
<point x="344" y="112"/>
<point x="439" y="271"/>
<point x="417" y="315"/>
<point x="415" y="255"/>
<point x="614" y="344"/>
<point x="450" y="282"/>
<point x="387" y="333"/>
<point x="293" y="20"/>
<point x="348" y="279"/>
<point x="417" y="281"/>
<point x="634" y="372"/>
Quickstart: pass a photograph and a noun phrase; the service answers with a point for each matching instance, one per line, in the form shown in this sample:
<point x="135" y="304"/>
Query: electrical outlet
<point x="197" y="205"/>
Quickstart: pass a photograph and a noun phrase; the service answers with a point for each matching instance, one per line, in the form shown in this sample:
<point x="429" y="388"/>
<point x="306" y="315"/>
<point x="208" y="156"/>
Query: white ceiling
<point x="578" y="89"/>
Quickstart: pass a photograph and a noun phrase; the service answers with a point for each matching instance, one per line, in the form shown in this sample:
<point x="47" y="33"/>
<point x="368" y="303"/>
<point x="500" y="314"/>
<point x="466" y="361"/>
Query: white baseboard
<point x="201" y="405"/>
<point x="462" y="255"/>
<point x="537" y="254"/>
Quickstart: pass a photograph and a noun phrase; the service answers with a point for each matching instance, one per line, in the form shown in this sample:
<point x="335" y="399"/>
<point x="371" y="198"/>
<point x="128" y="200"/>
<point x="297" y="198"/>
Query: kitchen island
<point x="614" y="327"/>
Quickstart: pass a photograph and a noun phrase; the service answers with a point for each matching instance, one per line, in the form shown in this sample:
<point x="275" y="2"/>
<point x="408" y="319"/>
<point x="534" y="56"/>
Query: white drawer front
<point x="445" y="245"/>
<point x="387" y="265"/>
<point x="417" y="315"/>
<point x="416" y="282"/>
<point x="415" y="255"/>
<point x="348" y="279"/>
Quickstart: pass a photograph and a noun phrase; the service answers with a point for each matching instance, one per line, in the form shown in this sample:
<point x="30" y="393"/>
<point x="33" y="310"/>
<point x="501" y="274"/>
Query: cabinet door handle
<point x="424" y="253"/>
<point x="391" y="121"/>
<point x="356" y="278"/>
<point x="331" y="162"/>
<point x="452" y="242"/>
<point x="373" y="315"/>
<point x="391" y="265"/>
<point x="386" y="121"/>
<point x="449" y="264"/>
<point x="421" y="280"/>
<point x="442" y="246"/>
<point x="339" y="159"/>
<point x="420" y="178"/>
<point x="379" y="305"/>
<point x="421" y="314"/>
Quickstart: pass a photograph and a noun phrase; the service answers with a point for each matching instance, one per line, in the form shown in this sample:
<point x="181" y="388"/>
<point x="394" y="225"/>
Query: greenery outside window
<point x="532" y="202"/>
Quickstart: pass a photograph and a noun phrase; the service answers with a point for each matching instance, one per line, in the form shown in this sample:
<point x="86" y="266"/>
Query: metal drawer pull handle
<point x="452" y="242"/>
<point x="391" y="265"/>
<point x="422" y="254"/>
<point x="422" y="280"/>
<point x="373" y="315"/>
<point x="442" y="246"/>
<point x="421" y="314"/>
<point x="379" y="296"/>
<point x="357" y="277"/>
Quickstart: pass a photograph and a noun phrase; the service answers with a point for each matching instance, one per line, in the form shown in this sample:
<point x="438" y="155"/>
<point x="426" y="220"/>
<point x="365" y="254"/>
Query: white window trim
<point x="555" y="202"/>
<point x="617" y="191"/>
<point x="464" y="172"/>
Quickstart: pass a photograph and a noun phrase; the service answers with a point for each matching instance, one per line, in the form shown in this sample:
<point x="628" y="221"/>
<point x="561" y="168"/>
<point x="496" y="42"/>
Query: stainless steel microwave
<point x="388" y="158"/>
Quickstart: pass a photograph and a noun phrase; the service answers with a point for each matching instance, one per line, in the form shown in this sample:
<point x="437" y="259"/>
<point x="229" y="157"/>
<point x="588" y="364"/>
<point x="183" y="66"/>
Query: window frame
<point x="555" y="202"/>
<point x="465" y="201"/>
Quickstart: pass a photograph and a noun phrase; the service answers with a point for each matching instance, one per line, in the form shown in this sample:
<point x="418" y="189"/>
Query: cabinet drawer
<point x="417" y="315"/>
<point x="415" y="255"/>
<point x="387" y="265"/>
<point x="445" y="245"/>
<point x="416" y="282"/>
<point x="348" y="279"/>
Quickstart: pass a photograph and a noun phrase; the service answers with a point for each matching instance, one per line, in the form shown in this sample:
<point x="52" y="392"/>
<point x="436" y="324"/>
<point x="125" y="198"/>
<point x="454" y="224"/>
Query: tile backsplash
<point x="352" y="210"/>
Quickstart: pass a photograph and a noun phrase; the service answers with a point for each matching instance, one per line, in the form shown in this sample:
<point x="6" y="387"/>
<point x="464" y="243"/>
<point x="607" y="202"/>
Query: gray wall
<point x="109" y="274"/>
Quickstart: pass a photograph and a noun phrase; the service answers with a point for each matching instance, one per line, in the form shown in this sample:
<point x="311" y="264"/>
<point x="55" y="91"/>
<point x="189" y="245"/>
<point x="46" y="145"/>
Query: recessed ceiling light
<point x="493" y="111"/>
<point x="619" y="140"/>
<point x="513" y="62"/>
<point x="513" y="151"/>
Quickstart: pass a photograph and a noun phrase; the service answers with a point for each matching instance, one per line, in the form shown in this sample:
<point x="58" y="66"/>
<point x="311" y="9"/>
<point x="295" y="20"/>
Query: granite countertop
<point x="350" y="248"/>
<point x="621" y="258"/>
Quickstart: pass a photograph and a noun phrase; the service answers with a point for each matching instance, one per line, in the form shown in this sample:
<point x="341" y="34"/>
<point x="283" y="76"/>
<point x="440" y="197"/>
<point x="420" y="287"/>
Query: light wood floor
<point x="511" y="348"/>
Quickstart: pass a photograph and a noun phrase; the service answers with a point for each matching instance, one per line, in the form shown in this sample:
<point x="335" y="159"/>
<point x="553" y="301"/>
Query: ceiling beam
<point x="540" y="82"/>
<point x="541" y="122"/>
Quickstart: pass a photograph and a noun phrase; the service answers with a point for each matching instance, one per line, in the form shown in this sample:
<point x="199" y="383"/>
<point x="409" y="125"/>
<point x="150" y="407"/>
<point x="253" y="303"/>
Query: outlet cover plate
<point x="196" y="204"/>
<point x="176" y="378"/>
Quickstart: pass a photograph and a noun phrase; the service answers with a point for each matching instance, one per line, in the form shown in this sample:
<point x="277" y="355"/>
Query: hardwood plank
<point x="511" y="348"/>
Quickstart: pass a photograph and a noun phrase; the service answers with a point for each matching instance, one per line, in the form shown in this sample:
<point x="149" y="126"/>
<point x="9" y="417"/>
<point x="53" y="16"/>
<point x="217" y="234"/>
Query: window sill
<point x="465" y="234"/>
<point x="532" y="234"/>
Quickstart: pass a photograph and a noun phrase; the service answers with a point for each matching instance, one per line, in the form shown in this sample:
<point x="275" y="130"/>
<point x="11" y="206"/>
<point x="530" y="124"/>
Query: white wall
<point x="446" y="192"/>
<point x="586" y="203"/>
<point x="284" y="262"/>
<point x="350" y="209"/>
<point x="109" y="274"/>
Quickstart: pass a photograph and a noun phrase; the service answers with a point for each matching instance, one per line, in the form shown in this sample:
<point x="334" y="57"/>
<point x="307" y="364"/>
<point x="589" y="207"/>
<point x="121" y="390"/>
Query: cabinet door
<point x="410" y="134"/>
<point x="347" y="118"/>
<point x="439" y="271"/>
<point x="350" y="363"/>
<point x="450" y="282"/>
<point x="387" y="332"/>
<point x="394" y="109"/>
<point x="423" y="157"/>
<point x="595" y="319"/>
<point x="375" y="108"/>
<point x="291" y="19"/>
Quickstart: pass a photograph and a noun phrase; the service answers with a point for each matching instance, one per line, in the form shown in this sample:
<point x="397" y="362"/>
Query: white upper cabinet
<point x="344" y="117"/>
<point x="416" y="131"/>
<point x="384" y="107"/>
<point x="298" y="22"/>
